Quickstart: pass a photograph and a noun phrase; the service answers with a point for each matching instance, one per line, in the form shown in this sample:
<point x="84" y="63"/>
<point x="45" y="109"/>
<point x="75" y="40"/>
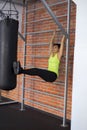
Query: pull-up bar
<point x="54" y="17"/>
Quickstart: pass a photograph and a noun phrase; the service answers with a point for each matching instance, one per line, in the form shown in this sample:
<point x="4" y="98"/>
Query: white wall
<point x="19" y="9"/>
<point x="79" y="98"/>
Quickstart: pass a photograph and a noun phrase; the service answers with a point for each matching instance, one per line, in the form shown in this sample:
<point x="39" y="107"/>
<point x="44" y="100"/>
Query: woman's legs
<point x="44" y="74"/>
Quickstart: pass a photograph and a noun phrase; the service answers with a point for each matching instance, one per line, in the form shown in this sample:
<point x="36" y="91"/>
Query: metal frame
<point x="67" y="34"/>
<point x="54" y="17"/>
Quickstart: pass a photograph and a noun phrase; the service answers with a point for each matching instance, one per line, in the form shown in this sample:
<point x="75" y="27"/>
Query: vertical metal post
<point x="67" y="60"/>
<point x="0" y="94"/>
<point x="23" y="79"/>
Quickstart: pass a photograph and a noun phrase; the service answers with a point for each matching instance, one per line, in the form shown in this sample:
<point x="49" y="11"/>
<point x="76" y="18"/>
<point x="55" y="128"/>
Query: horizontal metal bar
<point x="43" y="44"/>
<point x="56" y="82"/>
<point x="37" y="44"/>
<point x="6" y="103"/>
<point x="44" y="19"/>
<point x="39" y="56"/>
<point x="21" y="36"/>
<point x="59" y="83"/>
<point x="39" y="32"/>
<point x="28" y="66"/>
<point x="35" y="67"/>
<point x="50" y="5"/>
<point x="54" y="17"/>
<point x="44" y="105"/>
<point x="44" y="93"/>
<point x="36" y="56"/>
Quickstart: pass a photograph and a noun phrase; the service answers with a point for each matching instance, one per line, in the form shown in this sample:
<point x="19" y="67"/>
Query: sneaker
<point x="17" y="67"/>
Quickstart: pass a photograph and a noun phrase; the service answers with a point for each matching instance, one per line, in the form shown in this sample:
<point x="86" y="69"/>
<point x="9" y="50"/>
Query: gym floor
<point x="11" y="118"/>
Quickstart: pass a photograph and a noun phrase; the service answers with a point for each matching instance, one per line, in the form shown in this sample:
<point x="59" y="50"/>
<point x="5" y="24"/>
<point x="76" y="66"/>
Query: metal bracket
<point x="21" y="36"/>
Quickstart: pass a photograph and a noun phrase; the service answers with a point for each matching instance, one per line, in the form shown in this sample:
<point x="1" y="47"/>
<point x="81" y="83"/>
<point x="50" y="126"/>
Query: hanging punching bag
<point x="8" y="52"/>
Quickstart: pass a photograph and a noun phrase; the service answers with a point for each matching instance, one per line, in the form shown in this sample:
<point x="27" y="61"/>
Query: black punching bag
<point x="8" y="52"/>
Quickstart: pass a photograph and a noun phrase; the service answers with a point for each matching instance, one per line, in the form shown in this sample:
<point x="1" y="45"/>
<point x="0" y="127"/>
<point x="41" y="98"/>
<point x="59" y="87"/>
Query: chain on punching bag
<point x="8" y="52"/>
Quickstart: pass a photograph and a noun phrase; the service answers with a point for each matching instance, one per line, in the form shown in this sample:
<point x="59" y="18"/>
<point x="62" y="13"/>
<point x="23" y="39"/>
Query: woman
<point x="52" y="73"/>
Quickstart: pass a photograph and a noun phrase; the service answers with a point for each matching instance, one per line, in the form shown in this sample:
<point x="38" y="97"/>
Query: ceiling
<point x="18" y="2"/>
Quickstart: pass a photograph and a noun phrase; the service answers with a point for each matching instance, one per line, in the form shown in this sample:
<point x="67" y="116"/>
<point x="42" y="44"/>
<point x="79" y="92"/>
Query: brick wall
<point x="45" y="96"/>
